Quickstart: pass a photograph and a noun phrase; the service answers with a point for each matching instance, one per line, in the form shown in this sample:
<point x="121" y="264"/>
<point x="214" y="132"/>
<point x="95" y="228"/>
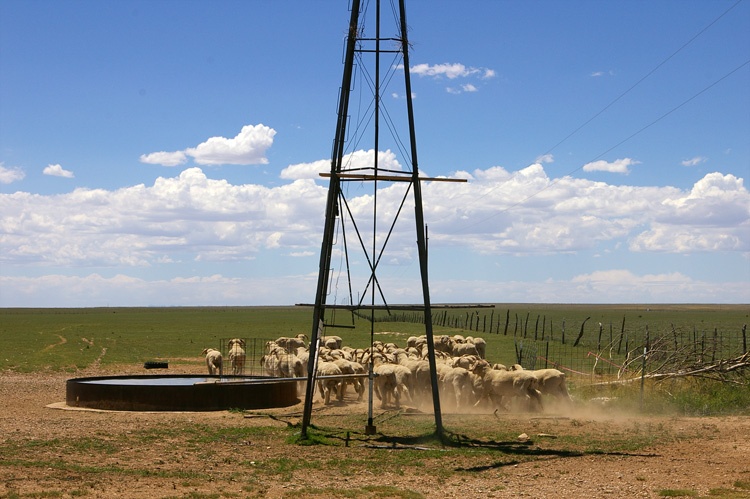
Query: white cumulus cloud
<point x="9" y="175"/>
<point x="57" y="171"/>
<point x="164" y="158"/>
<point x="450" y="71"/>
<point x="694" y="161"/>
<point x="357" y="160"/>
<point x="193" y="219"/>
<point x="453" y="71"/>
<point x="247" y="148"/>
<point x="617" y="166"/>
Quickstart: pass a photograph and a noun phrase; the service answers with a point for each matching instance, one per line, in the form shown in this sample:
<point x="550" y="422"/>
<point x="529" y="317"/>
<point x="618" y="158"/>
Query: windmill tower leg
<point x="332" y="210"/>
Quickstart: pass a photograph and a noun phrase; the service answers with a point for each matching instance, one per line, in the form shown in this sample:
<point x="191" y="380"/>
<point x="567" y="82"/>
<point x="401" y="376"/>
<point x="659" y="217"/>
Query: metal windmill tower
<point x="360" y="52"/>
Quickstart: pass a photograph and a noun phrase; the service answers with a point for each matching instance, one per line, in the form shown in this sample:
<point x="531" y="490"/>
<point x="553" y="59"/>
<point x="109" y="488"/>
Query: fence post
<point x="526" y="325"/>
<point x="744" y="339"/>
<point x="549" y="337"/>
<point x="713" y="354"/>
<point x="580" y="335"/>
<point x="643" y="374"/>
<point x="507" y="320"/>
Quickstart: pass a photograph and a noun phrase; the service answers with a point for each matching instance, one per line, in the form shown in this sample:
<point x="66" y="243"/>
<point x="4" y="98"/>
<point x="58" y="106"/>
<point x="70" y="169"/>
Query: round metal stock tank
<point x="179" y="393"/>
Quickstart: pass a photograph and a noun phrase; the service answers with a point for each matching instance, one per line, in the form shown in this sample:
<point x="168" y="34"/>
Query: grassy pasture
<point x="207" y="455"/>
<point x="70" y="339"/>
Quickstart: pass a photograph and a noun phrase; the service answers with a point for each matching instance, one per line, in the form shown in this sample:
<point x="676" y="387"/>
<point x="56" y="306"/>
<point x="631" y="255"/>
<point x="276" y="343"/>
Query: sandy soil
<point x="49" y="452"/>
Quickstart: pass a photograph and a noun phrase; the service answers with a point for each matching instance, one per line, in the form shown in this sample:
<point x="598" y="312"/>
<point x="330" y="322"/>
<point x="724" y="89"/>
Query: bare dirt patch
<point x="48" y="452"/>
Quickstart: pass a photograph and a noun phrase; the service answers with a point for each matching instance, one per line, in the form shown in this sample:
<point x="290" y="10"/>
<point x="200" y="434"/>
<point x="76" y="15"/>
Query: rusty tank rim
<point x="179" y="392"/>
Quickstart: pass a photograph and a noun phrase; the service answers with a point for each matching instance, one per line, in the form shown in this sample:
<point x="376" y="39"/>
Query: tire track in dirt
<point x="98" y="360"/>
<point x="62" y="341"/>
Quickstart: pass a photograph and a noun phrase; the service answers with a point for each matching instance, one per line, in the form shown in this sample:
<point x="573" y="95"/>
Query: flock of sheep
<point x="466" y="380"/>
<point x="236" y="356"/>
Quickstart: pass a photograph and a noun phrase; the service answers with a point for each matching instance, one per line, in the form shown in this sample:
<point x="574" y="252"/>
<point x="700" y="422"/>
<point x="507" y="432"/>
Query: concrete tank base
<point x="179" y="393"/>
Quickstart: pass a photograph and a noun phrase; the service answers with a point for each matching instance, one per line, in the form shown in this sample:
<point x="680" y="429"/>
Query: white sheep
<point x="456" y="385"/>
<point x="328" y="386"/>
<point x="499" y="386"/>
<point x="213" y="360"/>
<point x="465" y="361"/>
<point x="421" y="382"/>
<point x="480" y="345"/>
<point x="385" y="384"/>
<point x="349" y="367"/>
<point x="442" y="343"/>
<point x="460" y="349"/>
<point x="291" y="344"/>
<point x="237" y="355"/>
<point x="550" y="382"/>
<point x="333" y="342"/>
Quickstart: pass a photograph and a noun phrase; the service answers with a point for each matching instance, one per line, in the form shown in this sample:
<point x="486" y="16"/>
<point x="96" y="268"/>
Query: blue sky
<point x="167" y="152"/>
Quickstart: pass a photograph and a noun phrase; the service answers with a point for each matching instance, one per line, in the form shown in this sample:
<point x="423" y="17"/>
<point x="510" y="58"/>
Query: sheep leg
<point x="328" y="394"/>
<point x="321" y="390"/>
<point x="535" y="397"/>
<point x="340" y="390"/>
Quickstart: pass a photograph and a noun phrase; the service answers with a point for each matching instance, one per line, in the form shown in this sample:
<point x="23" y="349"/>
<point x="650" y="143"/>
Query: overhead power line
<point x="656" y="68"/>
<point x="555" y="182"/>
<point x="642" y="79"/>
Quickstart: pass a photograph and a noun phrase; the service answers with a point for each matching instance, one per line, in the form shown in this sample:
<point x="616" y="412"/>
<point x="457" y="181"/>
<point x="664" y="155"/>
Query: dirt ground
<point x="47" y="451"/>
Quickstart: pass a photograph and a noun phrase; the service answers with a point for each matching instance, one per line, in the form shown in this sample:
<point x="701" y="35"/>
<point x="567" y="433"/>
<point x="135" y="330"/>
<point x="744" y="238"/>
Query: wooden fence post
<point x="580" y="335"/>
<point x="507" y="320"/>
<point x="526" y="325"/>
<point x="713" y="354"/>
<point x="550" y="330"/>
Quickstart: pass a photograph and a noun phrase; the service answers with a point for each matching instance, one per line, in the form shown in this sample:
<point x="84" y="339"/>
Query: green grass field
<point x="72" y="339"/>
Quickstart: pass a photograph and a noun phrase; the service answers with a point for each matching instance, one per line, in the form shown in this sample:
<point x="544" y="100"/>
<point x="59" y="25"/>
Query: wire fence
<point x="597" y="350"/>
